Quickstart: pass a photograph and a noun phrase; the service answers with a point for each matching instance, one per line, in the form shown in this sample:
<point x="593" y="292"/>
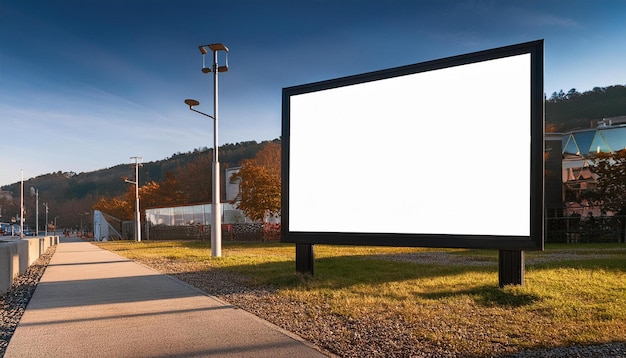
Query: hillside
<point x="574" y="110"/>
<point x="69" y="195"/>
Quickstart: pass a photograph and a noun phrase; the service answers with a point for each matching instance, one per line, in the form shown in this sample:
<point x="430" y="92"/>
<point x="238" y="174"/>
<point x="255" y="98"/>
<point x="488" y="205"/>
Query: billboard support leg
<point x="511" y="267"/>
<point x="305" y="258"/>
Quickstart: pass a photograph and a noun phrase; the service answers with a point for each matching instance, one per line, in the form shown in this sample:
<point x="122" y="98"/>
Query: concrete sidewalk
<point x="93" y="303"/>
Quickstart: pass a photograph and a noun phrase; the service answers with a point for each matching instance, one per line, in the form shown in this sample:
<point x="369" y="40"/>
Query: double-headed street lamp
<point x="216" y="212"/>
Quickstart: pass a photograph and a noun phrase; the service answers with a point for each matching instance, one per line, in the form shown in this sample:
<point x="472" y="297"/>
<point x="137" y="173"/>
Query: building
<point x="579" y="149"/>
<point x="193" y="221"/>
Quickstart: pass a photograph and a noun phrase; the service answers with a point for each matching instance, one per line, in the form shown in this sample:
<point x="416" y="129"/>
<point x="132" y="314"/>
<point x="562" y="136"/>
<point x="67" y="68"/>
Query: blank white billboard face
<point x="439" y="152"/>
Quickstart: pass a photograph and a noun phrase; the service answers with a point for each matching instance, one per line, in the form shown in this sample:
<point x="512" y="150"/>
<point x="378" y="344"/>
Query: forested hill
<point x="68" y="194"/>
<point x="574" y="110"/>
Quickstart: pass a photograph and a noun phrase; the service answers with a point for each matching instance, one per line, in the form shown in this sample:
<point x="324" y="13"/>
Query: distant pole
<point x="22" y="206"/>
<point x="45" y="228"/>
<point x="36" y="212"/>
<point x="35" y="192"/>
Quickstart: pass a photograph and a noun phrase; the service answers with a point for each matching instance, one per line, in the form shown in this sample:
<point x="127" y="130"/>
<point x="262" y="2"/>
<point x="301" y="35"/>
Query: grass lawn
<point x="573" y="294"/>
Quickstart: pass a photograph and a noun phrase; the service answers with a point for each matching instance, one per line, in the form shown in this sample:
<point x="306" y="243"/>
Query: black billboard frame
<point x="535" y="241"/>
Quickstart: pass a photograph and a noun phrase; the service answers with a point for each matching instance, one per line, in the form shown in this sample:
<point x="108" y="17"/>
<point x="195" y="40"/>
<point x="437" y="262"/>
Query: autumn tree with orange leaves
<point x="151" y="195"/>
<point x="260" y="186"/>
<point x="260" y="183"/>
<point x="117" y="207"/>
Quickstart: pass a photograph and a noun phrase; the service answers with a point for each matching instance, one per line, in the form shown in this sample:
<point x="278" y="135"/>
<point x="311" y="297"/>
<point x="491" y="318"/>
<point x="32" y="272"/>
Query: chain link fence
<point x="570" y="229"/>
<point x="230" y="232"/>
<point x="573" y="229"/>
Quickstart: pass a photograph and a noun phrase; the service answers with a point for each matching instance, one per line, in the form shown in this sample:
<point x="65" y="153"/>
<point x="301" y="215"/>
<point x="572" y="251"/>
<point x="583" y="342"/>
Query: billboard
<point x="444" y="153"/>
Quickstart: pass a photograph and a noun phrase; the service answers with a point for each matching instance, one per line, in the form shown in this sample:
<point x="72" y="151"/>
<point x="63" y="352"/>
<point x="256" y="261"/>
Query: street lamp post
<point x="45" y="227"/>
<point x="35" y="192"/>
<point x="137" y="211"/>
<point x="80" y="230"/>
<point x="216" y="212"/>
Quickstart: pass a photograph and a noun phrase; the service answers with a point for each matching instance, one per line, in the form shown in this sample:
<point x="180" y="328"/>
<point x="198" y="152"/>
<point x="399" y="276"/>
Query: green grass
<point x="573" y="294"/>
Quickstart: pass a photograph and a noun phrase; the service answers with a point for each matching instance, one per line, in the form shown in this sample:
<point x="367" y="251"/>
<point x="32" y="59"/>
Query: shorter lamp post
<point x="137" y="212"/>
<point x="35" y="192"/>
<point x="80" y="230"/>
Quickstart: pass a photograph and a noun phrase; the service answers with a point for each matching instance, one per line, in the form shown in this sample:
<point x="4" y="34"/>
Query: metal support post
<point x="511" y="267"/>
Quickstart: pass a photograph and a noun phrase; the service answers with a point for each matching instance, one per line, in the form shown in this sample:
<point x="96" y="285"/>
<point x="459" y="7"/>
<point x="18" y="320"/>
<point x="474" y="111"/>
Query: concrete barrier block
<point x="16" y="255"/>
<point x="6" y="263"/>
<point x="34" y="250"/>
<point x="9" y="263"/>
<point x="22" y="251"/>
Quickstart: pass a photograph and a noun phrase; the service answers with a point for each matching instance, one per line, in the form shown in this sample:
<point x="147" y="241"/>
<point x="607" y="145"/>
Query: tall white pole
<point x="216" y="212"/>
<point x="137" y="211"/>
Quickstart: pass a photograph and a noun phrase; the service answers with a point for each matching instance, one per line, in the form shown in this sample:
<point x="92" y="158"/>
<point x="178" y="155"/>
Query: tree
<point x="195" y="178"/>
<point x="151" y="194"/>
<point x="9" y="207"/>
<point x="170" y="192"/>
<point x="611" y="186"/>
<point x="118" y="207"/>
<point x="572" y="93"/>
<point x="260" y="182"/>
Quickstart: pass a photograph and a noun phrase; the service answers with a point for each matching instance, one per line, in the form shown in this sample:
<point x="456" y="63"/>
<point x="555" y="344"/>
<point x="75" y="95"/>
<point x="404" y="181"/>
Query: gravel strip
<point x="14" y="301"/>
<point x="386" y="336"/>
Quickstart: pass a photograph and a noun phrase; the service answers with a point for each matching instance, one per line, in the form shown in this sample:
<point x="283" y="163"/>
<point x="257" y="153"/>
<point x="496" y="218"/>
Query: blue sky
<point x="84" y="84"/>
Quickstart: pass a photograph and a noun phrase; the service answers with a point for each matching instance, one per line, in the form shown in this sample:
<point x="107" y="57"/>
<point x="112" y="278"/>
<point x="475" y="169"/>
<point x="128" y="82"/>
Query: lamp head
<point x="213" y="47"/>
<point x="192" y="103"/>
<point x="204" y="49"/>
<point x="218" y="47"/>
